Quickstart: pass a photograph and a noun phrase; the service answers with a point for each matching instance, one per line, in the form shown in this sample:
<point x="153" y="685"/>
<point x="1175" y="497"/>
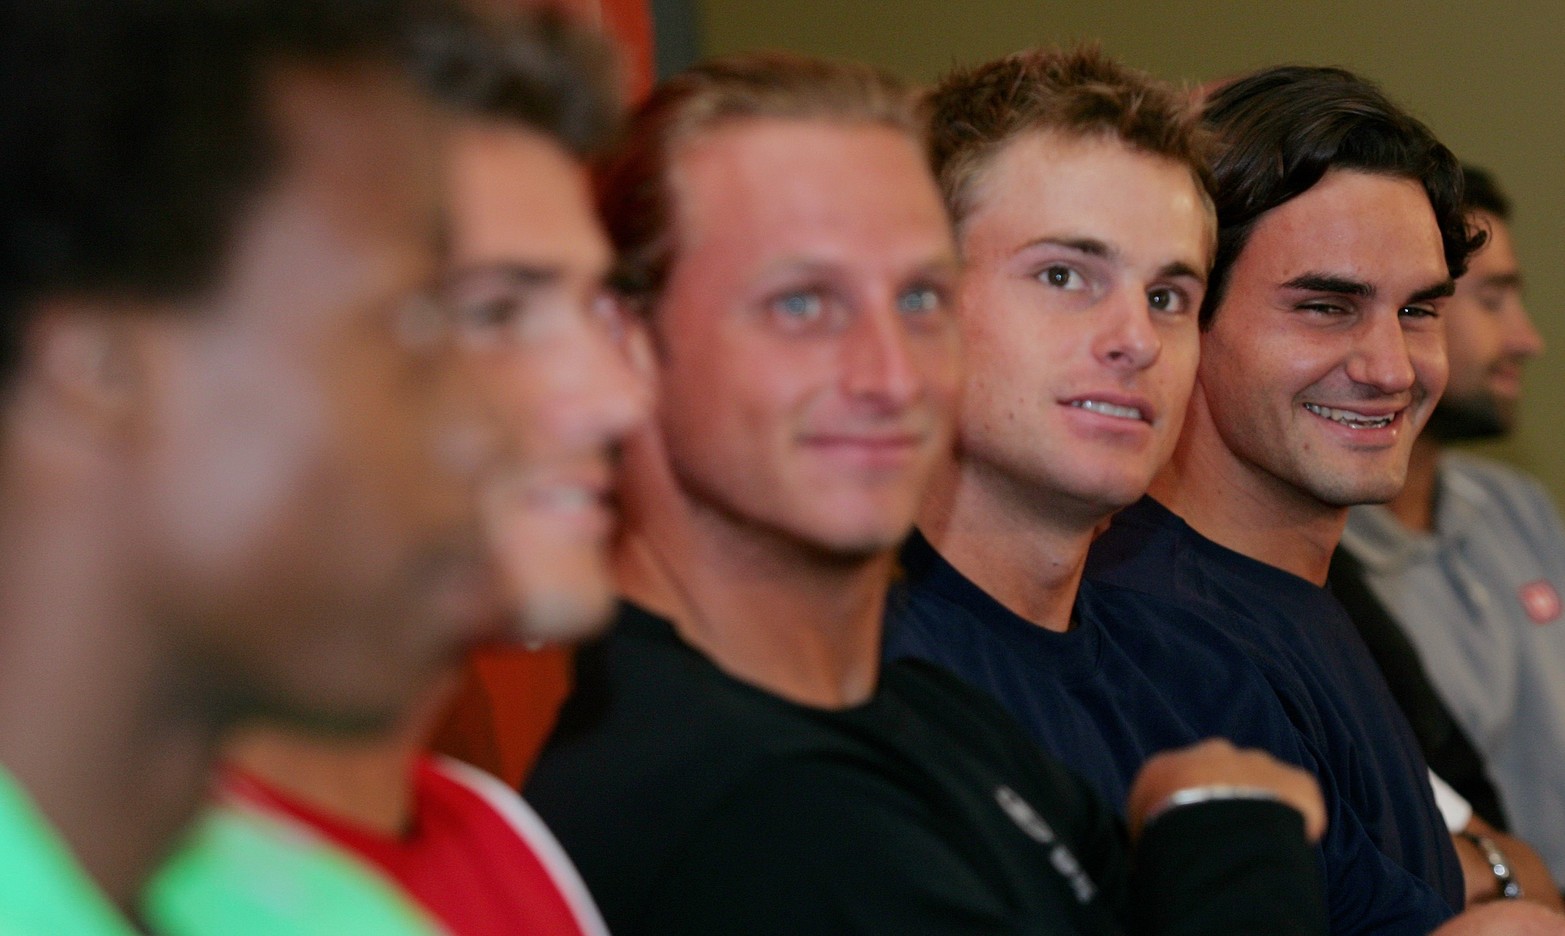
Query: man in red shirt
<point x="525" y="292"/>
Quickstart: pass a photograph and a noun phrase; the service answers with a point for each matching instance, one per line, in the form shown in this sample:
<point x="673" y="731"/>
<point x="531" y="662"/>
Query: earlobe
<point x="637" y="342"/>
<point x="87" y="360"/>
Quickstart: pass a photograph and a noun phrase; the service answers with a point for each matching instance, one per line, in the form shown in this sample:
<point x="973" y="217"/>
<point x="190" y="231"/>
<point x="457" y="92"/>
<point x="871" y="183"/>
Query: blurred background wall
<point x="1489" y="78"/>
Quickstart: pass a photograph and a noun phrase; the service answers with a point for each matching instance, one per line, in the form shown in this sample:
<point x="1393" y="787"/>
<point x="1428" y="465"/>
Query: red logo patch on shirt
<point x="1541" y="601"/>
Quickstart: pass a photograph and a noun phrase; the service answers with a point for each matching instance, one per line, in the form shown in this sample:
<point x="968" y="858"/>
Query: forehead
<point x="356" y="198"/>
<point x="361" y="140"/>
<point x="1047" y="183"/>
<point x="1375" y="229"/>
<point x="517" y="195"/>
<point x="824" y="190"/>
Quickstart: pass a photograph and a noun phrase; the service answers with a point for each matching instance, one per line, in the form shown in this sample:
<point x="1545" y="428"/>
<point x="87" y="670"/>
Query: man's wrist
<point x="1499" y="865"/>
<point x="1209" y="793"/>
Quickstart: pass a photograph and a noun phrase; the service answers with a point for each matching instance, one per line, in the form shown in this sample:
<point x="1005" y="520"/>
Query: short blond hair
<point x="635" y="194"/>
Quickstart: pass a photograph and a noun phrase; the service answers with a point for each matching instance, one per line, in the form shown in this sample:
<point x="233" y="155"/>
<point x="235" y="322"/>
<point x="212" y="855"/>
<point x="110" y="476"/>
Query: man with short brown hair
<point x="735" y="758"/>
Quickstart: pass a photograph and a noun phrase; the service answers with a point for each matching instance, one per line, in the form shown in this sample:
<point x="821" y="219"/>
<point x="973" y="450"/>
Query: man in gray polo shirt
<point x="1470" y="557"/>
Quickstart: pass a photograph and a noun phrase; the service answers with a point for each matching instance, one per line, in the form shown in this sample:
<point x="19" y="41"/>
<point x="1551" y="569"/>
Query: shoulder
<point x="247" y="873"/>
<point x="1485" y="477"/>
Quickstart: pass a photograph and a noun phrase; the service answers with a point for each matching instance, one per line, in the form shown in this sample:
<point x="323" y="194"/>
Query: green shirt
<point x="237" y="874"/>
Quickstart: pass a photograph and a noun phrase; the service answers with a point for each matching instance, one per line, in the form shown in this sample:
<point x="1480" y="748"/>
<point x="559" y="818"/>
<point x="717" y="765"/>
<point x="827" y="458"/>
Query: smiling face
<point x="807" y="363"/>
<point x="1327" y="353"/>
<point x="1085" y="267"/>
<point x="1489" y="339"/>
<point x="529" y="260"/>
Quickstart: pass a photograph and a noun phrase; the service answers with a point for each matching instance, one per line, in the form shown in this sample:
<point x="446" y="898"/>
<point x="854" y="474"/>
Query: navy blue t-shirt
<point x="1134" y="676"/>
<point x="1301" y="638"/>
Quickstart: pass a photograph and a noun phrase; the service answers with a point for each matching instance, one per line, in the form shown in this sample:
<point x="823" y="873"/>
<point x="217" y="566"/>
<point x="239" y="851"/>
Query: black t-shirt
<point x="1364" y="752"/>
<point x="1448" y="749"/>
<point x="694" y="803"/>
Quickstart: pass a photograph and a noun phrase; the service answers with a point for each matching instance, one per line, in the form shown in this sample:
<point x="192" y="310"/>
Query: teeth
<point x="567" y="498"/>
<point x="1349" y="418"/>
<point x="1107" y="409"/>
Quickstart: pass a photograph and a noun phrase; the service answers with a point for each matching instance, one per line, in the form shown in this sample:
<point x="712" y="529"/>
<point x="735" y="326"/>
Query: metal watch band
<point x="1499" y="865"/>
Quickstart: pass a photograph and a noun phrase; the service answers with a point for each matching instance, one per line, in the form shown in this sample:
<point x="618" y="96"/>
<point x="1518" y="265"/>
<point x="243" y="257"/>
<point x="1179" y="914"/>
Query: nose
<point x="1522" y="338"/>
<point x="1127" y="339"/>
<point x="1380" y="357"/>
<point x="878" y="361"/>
<point x="615" y="391"/>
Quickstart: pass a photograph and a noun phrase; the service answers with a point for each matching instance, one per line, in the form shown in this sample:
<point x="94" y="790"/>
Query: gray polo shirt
<point x="1481" y="600"/>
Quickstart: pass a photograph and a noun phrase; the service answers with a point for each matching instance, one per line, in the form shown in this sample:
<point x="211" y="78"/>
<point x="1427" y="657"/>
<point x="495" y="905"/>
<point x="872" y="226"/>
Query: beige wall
<point x="1493" y="87"/>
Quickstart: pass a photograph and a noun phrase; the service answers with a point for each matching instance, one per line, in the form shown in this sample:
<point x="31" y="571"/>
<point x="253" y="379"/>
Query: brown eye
<point x="1166" y="300"/>
<point x="1062" y="277"/>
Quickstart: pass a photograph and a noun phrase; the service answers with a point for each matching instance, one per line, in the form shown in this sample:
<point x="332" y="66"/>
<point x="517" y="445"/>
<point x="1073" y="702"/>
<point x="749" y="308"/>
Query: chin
<point x="863" y="544"/>
<point x="1351" y="492"/>
<point x="559" y="616"/>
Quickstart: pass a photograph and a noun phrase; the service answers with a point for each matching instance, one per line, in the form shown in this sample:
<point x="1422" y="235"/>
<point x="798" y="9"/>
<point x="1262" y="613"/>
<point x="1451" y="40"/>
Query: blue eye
<point x="920" y="301"/>
<point x="799" y="307"/>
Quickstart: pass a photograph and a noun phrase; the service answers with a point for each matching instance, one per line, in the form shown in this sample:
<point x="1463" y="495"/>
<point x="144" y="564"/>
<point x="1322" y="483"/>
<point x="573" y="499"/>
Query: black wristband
<point x="1499" y="865"/>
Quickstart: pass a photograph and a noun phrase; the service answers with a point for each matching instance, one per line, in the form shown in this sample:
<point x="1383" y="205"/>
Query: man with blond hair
<point x="735" y="758"/>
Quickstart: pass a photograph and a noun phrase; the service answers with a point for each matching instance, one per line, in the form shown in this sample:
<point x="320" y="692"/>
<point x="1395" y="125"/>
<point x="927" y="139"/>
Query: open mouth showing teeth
<point x="1107" y="409"/>
<point x="1349" y="418"/>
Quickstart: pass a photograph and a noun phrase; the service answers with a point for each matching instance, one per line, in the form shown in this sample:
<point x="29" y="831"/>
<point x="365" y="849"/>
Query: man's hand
<point x="1527" y="868"/>
<point x="1215" y="764"/>
<point x="1505" y="918"/>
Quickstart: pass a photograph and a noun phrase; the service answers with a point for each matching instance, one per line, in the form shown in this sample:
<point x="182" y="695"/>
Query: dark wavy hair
<point x="1482" y="192"/>
<point x="1280" y="130"/>
<point x="537" y="69"/>
<point x="135" y="132"/>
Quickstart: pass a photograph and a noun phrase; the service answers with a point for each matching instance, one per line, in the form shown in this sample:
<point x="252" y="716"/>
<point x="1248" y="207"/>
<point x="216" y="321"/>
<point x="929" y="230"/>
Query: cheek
<point x="941" y="362"/>
<point x="237" y="454"/>
<point x="1179" y="360"/>
<point x="1430" y="364"/>
<point x="513" y="386"/>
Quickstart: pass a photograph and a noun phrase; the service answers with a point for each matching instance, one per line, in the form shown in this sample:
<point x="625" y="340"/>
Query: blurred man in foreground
<point x="239" y="463"/>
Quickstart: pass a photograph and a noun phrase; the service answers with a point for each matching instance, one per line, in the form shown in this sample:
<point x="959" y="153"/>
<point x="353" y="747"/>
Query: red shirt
<point x="477" y="856"/>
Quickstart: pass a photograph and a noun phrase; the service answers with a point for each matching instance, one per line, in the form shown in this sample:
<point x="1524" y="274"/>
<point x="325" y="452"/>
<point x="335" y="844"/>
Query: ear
<point x="638" y="349"/>
<point x="86" y="360"/>
<point x="640" y="340"/>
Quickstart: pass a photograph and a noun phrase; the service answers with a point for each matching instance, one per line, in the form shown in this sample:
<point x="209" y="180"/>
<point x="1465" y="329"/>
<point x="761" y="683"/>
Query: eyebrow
<point x="1179" y="268"/>
<point x="1503" y="279"/>
<point x="520" y="274"/>
<point x="1437" y="291"/>
<point x="1342" y="286"/>
<point x="1093" y="247"/>
<point x="1087" y="245"/>
<point x="1327" y="283"/>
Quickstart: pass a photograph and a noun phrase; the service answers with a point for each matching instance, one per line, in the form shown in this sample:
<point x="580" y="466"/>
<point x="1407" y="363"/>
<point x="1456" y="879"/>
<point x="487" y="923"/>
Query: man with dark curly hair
<point x="1340" y="234"/>
<point x="239" y="455"/>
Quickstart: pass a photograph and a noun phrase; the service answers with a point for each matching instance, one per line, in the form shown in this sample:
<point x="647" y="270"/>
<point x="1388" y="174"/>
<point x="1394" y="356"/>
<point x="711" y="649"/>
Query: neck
<point x="1242" y="507"/>
<point x="366" y="782"/>
<point x="1022" y="547"/>
<point x="1414" y="506"/>
<point x="101" y="726"/>
<point x="767" y="611"/>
